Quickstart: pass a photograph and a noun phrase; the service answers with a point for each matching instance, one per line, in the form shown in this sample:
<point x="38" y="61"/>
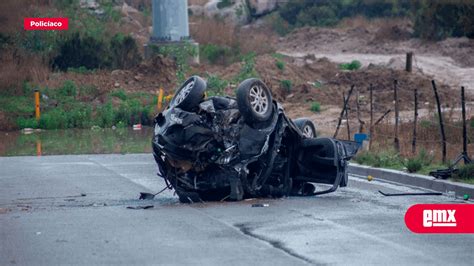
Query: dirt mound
<point x="318" y="79"/>
<point x="149" y="76"/>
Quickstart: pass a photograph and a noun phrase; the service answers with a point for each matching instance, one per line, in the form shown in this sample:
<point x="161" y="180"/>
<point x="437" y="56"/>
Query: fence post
<point x="415" y="120"/>
<point x="160" y="99"/>
<point x="343" y="111"/>
<point x="441" y="125"/>
<point x="464" y="130"/>
<point x="347" y="119"/>
<point x="395" y="96"/>
<point x="409" y="62"/>
<point x="371" y="129"/>
<point x="361" y="123"/>
<point x="37" y="105"/>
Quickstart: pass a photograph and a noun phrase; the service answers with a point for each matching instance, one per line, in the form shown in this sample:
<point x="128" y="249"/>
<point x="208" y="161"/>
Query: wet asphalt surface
<point x="57" y="210"/>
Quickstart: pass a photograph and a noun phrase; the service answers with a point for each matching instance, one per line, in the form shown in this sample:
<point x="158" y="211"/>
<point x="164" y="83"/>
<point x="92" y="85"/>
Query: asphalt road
<point x="44" y="220"/>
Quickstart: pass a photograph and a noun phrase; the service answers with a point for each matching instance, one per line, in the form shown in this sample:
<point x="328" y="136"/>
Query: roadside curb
<point x="417" y="180"/>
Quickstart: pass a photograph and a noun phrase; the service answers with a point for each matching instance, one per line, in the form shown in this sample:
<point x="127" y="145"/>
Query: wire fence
<point x="445" y="138"/>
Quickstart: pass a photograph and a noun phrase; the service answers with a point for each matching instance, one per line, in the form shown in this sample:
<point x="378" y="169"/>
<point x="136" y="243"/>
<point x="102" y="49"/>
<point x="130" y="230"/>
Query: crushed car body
<point x="224" y="148"/>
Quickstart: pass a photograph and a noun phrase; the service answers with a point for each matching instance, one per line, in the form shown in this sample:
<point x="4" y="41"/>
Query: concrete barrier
<point x="423" y="181"/>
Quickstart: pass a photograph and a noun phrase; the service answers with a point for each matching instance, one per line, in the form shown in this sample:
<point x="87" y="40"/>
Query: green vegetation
<point x="354" y="65"/>
<point x="215" y="54"/>
<point x="215" y="85"/>
<point x="423" y="163"/>
<point x="286" y="85"/>
<point x="315" y="107"/>
<point x="182" y="54"/>
<point x="432" y="19"/>
<point x="465" y="173"/>
<point x="280" y="64"/>
<point x="328" y="13"/>
<point x="68" y="107"/>
<point x="437" y="20"/>
<point x="91" y="53"/>
<point x="387" y="159"/>
<point x="280" y="25"/>
<point x="224" y="3"/>
<point x="248" y="68"/>
<point x="415" y="164"/>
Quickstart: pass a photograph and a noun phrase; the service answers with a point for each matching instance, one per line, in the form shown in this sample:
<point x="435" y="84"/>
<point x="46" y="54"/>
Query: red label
<point x="440" y="218"/>
<point x="46" y="23"/>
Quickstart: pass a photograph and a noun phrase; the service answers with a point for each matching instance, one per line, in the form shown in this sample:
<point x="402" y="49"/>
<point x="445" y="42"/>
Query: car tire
<point x="254" y="100"/>
<point x="190" y="94"/>
<point x="306" y="126"/>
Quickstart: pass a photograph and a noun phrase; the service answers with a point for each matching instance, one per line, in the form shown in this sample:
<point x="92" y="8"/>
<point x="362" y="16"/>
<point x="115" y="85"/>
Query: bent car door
<point x="324" y="160"/>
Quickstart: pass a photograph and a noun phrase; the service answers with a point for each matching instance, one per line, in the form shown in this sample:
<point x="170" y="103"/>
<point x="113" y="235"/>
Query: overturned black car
<point x="221" y="148"/>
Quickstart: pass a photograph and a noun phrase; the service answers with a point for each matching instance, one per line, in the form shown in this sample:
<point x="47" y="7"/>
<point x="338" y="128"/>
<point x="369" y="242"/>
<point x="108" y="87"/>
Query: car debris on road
<point x="220" y="147"/>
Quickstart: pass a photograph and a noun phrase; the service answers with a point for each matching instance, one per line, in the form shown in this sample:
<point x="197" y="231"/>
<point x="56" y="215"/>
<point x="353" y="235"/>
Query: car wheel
<point x="190" y="94"/>
<point x="254" y="100"/>
<point x="306" y="126"/>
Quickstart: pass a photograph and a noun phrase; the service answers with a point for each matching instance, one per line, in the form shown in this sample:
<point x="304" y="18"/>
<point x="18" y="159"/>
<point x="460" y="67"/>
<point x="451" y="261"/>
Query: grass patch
<point x="385" y="159"/>
<point x="280" y="64"/>
<point x="216" y="85"/>
<point x="61" y="108"/>
<point x="465" y="173"/>
<point x="121" y="94"/>
<point x="354" y="65"/>
<point x="423" y="163"/>
<point x="315" y="107"/>
<point x="415" y="164"/>
<point x="286" y="85"/>
<point x="248" y="68"/>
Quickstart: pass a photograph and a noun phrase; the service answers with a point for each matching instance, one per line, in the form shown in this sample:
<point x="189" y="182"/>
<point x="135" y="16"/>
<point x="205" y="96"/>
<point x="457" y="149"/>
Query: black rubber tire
<point x="194" y="97"/>
<point x="302" y="123"/>
<point x="243" y="101"/>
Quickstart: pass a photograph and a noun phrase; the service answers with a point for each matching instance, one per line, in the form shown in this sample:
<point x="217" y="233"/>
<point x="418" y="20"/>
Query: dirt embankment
<point x="149" y="76"/>
<point x="385" y="43"/>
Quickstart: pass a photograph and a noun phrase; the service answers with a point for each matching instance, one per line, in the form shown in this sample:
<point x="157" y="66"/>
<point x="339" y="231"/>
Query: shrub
<point x="437" y="20"/>
<point x="354" y="65"/>
<point x="386" y="158"/>
<point x="121" y="94"/>
<point x="219" y="54"/>
<point x="465" y="172"/>
<point x="248" y="68"/>
<point x="68" y="89"/>
<point x="53" y="119"/>
<point x="286" y="85"/>
<point x="327" y="13"/>
<point x="213" y="53"/>
<point x="280" y="64"/>
<point x="26" y="123"/>
<point x="279" y="25"/>
<point x="216" y="85"/>
<point x="105" y="115"/>
<point x="80" y="51"/>
<point x="124" y="52"/>
<point x="413" y="165"/>
<point x="315" y="107"/>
